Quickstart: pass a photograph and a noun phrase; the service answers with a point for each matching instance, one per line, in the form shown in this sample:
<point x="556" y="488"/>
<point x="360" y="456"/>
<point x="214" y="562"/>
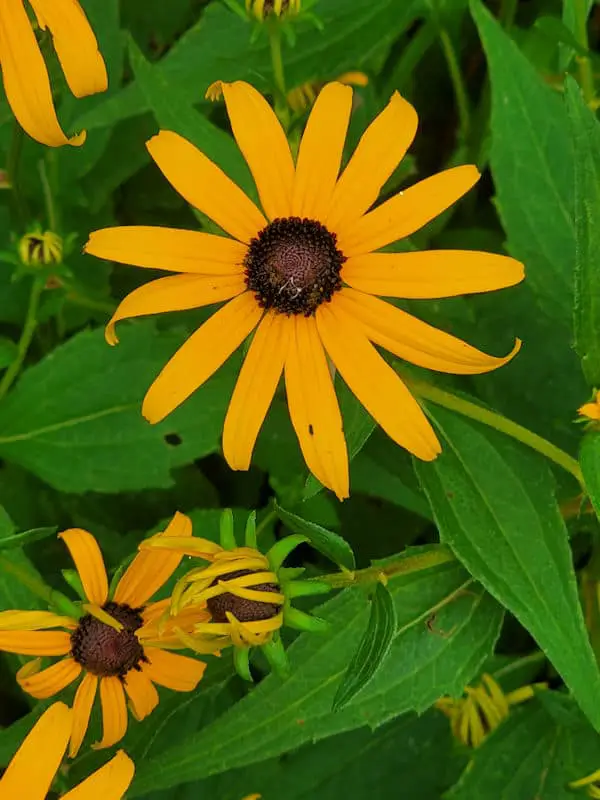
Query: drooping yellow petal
<point x="32" y="620"/>
<point x="254" y="389"/>
<point x="320" y="153"/>
<point x="589" y="410"/>
<point x="196" y="546"/>
<point x="49" y="681"/>
<point x="36" y="762"/>
<point x="180" y="673"/>
<point x="25" y="77"/>
<point x="114" y="712"/>
<point x="171" y="249"/>
<point x="34" y="643"/>
<point x="431" y="273"/>
<point x="203" y="353"/>
<point x="110" y="782"/>
<point x="406" y="212"/>
<point x="205" y="186"/>
<point x="82" y="709"/>
<point x="87" y="556"/>
<point x="264" y="145"/>
<point x="314" y="408"/>
<point x="375" y="383"/>
<point x="415" y="341"/>
<point x="75" y="44"/>
<point x="143" y="697"/>
<point x="175" y="293"/>
<point x="150" y="569"/>
<point x="377" y="155"/>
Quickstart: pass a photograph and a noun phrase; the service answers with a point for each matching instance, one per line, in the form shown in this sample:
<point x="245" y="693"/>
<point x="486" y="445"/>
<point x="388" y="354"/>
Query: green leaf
<point x="589" y="461"/>
<point x="326" y="542"/>
<point x="8" y="351"/>
<point x="556" y="30"/>
<point x="279" y="715"/>
<point x="494" y="505"/>
<point x="373" y="648"/>
<point x="27" y="537"/>
<point x="532" y="165"/>
<point x="586" y="136"/>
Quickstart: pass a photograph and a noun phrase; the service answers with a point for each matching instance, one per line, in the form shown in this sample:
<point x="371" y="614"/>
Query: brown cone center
<point x="104" y="651"/>
<point x="243" y="610"/>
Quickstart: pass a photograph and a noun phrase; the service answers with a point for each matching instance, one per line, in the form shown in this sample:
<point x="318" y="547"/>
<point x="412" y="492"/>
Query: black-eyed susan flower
<point x="247" y="594"/>
<point x="31" y="772"/>
<point x="119" y="644"/>
<point x="24" y="72"/>
<point x="304" y="273"/>
<point x="590" y="412"/>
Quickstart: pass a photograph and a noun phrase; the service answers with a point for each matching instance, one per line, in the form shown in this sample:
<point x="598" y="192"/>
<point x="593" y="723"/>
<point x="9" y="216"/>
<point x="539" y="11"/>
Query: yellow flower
<point x="482" y="709"/>
<point x="302" y="97"/>
<point x="591" y="411"/>
<point x="36" y="762"/>
<point x="118" y="644"/>
<point x="590" y="784"/>
<point x="262" y="8"/>
<point x="26" y="80"/>
<point x="304" y="273"/>
<point x="38" y="248"/>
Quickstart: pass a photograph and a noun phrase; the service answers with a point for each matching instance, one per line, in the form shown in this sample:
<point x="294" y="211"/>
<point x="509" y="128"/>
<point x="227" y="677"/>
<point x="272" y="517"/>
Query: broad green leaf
<point x="586" y="136"/>
<point x="589" y="461"/>
<point x="532" y="165"/>
<point x="326" y="542"/>
<point x="424" y="662"/>
<point x="373" y="648"/>
<point x="494" y="505"/>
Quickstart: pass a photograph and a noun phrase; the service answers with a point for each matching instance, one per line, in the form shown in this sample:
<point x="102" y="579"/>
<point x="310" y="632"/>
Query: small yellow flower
<point x="25" y="76"/>
<point x="41" y="248"/>
<point x="590" y="784"/>
<point x="279" y="8"/>
<point x="31" y="772"/>
<point x="481" y="709"/>
<point x="591" y="411"/>
<point x="119" y="644"/>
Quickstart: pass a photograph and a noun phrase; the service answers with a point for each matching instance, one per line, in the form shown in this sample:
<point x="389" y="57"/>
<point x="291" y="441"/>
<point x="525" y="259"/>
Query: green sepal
<point x="250" y="538"/>
<point x="280" y="551"/>
<point x="71" y="576"/>
<point x="241" y="662"/>
<point x="226" y="532"/>
<point x="294" y="618"/>
<point x="306" y="588"/>
<point x="277" y="657"/>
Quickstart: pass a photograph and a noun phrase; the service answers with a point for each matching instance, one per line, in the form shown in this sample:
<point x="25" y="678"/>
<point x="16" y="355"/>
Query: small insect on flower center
<point x="105" y="651"/>
<point x="243" y="610"/>
<point x="293" y="266"/>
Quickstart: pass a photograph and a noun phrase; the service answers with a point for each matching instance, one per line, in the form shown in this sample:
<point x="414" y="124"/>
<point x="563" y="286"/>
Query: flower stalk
<point x="27" y="334"/>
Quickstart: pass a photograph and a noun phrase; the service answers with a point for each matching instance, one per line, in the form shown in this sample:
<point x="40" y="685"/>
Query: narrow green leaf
<point x="586" y="136"/>
<point x="494" y="505"/>
<point x="27" y="537"/>
<point x="373" y="648"/>
<point x="326" y="542"/>
<point x="589" y="461"/>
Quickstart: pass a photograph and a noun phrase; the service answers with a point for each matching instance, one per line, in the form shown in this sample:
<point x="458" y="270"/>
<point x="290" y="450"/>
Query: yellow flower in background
<point x="590" y="411"/>
<point x="31" y="772"/>
<point x="302" y="97"/>
<point x="119" y="644"/>
<point x="304" y="273"/>
<point x="24" y="72"/>
<point x="40" y="247"/>
<point x="262" y="8"/>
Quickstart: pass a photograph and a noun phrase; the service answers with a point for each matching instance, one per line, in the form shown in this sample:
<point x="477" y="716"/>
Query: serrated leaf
<point x="326" y="542"/>
<point x="373" y="648"/>
<point x="280" y="715"/>
<point x="494" y="505"/>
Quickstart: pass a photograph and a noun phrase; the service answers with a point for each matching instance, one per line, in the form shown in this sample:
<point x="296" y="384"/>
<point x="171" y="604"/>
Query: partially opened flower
<point x="590" y="412"/>
<point x="304" y="274"/>
<point x="31" y="772"/>
<point x="118" y="644"/>
<point x="24" y="72"/>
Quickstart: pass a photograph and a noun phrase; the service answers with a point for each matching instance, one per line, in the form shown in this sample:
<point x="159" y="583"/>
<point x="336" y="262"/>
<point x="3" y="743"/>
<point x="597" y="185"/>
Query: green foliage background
<point x="514" y="594"/>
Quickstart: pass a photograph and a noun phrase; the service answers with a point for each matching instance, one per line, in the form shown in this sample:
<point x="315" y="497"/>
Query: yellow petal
<point x="377" y="155"/>
<point x="151" y="569"/>
<point x="264" y="145"/>
<point x="171" y="249"/>
<point x="198" y="547"/>
<point x="114" y="712"/>
<point x="314" y="408"/>
<point x="87" y="556"/>
<point x="320" y="153"/>
<point x="143" y="697"/>
<point x="375" y="383"/>
<point x="180" y="673"/>
<point x="415" y="341"/>
<point x="431" y="273"/>
<point x="201" y="356"/>
<point x="26" y="81"/>
<point x="37" y="760"/>
<point x="205" y="186"/>
<point x="49" y="681"/>
<point x="254" y="389"/>
<point x="32" y="643"/>
<point x="589" y="410"/>
<point x="406" y="212"/>
<point x="32" y="620"/>
<point x="175" y="293"/>
<point x="110" y="782"/>
<point x="82" y="709"/>
<point x="75" y="45"/>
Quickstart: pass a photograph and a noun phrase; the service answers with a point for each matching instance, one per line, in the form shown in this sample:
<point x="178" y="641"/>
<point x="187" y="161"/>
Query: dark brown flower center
<point x="243" y="610"/>
<point x="104" y="651"/>
<point x="293" y="266"/>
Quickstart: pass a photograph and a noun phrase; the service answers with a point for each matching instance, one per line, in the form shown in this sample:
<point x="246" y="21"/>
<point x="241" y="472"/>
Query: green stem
<point x="508" y="11"/>
<point x="586" y="73"/>
<point x="50" y="596"/>
<point x="458" y="84"/>
<point x="281" y="107"/>
<point x="26" y="336"/>
<point x="494" y="420"/>
<point x="12" y="168"/>
<point x="266" y="521"/>
<point x="48" y="198"/>
<point x="89" y="302"/>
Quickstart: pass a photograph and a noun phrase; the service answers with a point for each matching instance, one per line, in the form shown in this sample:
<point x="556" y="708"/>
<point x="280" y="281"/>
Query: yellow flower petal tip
<point x="591" y="410"/>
